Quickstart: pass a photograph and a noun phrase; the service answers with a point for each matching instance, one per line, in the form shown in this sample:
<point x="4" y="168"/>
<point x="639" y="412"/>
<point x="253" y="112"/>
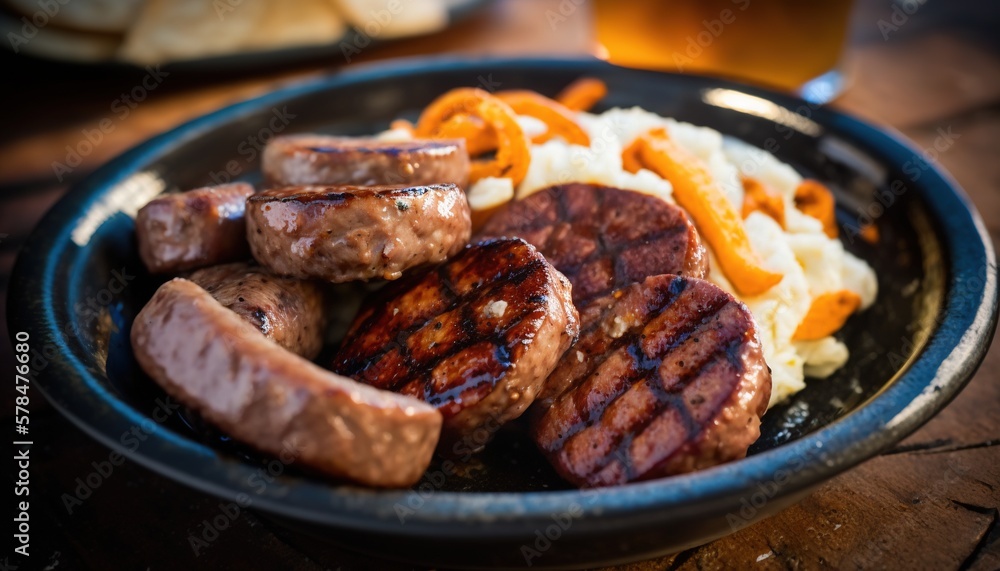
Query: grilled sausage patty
<point x="476" y="337"/>
<point x="322" y="159"/>
<point x="213" y="361"/>
<point x="345" y="233"/>
<point x="667" y="377"/>
<point x="288" y="311"/>
<point x="193" y="229"/>
<point x="603" y="238"/>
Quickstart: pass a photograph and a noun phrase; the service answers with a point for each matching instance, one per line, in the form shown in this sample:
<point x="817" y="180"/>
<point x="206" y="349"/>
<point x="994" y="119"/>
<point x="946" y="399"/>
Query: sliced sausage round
<point x="603" y="238"/>
<point x="193" y="229"/>
<point x="289" y="311"/>
<point x="345" y="233"/>
<point x="667" y="377"/>
<point x="475" y="337"/>
<point x="213" y="361"/>
<point x="322" y="159"/>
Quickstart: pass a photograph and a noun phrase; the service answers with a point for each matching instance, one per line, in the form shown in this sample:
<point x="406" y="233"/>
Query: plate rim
<point x="932" y="379"/>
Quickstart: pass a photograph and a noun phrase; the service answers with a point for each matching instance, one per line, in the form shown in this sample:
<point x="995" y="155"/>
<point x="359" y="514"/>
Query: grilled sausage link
<point x="476" y="337"/>
<point x="603" y="238"/>
<point x="193" y="229"/>
<point x="346" y="233"/>
<point x="667" y="377"/>
<point x="322" y="159"/>
<point x="288" y="311"/>
<point x="213" y="361"/>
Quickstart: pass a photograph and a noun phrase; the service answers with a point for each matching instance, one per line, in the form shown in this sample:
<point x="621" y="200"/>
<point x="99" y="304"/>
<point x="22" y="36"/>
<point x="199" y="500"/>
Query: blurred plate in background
<point x="203" y="35"/>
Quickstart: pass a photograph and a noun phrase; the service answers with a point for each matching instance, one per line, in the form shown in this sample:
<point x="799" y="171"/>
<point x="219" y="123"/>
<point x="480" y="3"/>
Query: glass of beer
<point x="787" y="44"/>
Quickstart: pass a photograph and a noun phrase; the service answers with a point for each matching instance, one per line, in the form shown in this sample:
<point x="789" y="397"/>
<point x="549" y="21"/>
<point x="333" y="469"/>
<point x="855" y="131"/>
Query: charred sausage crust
<point x="322" y="159"/>
<point x="667" y="377"/>
<point x="289" y="311"/>
<point x="345" y="233"/>
<point x="603" y="238"/>
<point x="475" y="337"/>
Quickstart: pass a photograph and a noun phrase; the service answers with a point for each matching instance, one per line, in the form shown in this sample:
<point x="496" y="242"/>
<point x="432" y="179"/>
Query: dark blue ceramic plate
<point x="78" y="283"/>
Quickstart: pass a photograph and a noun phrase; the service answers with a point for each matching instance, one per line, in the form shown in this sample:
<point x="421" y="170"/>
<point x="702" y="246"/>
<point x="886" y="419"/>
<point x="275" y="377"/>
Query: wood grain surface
<point x="929" y="503"/>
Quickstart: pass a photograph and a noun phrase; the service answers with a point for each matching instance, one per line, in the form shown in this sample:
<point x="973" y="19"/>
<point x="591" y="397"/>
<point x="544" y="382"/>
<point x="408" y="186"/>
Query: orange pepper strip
<point x="758" y="196"/>
<point x="582" y="94"/>
<point x="556" y="116"/>
<point x="479" y="137"/>
<point x="827" y="314"/>
<point x="717" y="220"/>
<point x="631" y="160"/>
<point x="512" y="154"/>
<point x="816" y="200"/>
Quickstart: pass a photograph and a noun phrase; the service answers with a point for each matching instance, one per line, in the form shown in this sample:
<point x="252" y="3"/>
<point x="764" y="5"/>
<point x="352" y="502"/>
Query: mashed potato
<point x="811" y="262"/>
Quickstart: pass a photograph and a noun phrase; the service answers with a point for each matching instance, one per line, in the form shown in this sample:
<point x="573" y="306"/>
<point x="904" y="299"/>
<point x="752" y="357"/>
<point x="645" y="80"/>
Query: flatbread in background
<point x="55" y="43"/>
<point x="107" y="16"/>
<point x="384" y="19"/>
<point x="299" y="23"/>
<point x="169" y="30"/>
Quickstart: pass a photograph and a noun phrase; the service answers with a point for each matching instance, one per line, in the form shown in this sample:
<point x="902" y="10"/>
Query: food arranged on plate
<point x="639" y="290"/>
<point x="347" y="232"/>
<point x="475" y="337"/>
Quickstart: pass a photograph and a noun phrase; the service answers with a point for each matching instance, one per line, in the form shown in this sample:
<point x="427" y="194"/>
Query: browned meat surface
<point x="213" y="361"/>
<point x="667" y="377"/>
<point x="345" y="233"/>
<point x="193" y="229"/>
<point x="475" y="337"/>
<point x="322" y="159"/>
<point x="603" y="238"/>
<point x="288" y="311"/>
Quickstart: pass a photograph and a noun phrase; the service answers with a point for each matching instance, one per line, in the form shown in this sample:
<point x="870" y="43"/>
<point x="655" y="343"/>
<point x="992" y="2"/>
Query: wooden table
<point x="931" y="502"/>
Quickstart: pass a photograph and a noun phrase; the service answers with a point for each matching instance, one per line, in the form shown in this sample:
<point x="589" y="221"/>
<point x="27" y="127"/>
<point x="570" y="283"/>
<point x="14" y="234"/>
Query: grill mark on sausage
<point x="467" y="323"/>
<point x="323" y="159"/>
<point x="688" y="352"/>
<point x="585" y="232"/>
<point x="344" y="193"/>
<point x="463" y="303"/>
<point x="492" y="334"/>
<point x="630" y="341"/>
<point x="672" y="398"/>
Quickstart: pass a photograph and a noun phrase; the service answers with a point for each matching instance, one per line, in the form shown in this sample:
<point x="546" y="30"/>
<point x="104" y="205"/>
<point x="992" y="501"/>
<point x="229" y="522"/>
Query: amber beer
<point x="782" y="43"/>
